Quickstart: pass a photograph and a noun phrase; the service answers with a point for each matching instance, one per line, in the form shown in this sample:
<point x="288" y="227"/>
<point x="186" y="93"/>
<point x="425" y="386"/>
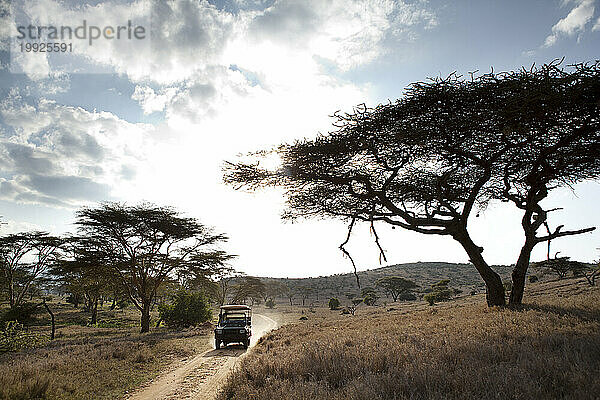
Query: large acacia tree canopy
<point x="446" y="147"/>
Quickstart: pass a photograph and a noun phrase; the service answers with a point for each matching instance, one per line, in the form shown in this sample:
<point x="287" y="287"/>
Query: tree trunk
<point x="94" y="310"/>
<point x="145" y="317"/>
<point x="519" y="273"/>
<point x="114" y="303"/>
<point x="11" y="294"/>
<point x="52" y="332"/>
<point x="495" y="295"/>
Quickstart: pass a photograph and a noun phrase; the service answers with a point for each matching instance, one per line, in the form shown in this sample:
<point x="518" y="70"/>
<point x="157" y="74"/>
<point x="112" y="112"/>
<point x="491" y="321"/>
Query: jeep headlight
<point x="242" y="331"/>
<point x="219" y="331"/>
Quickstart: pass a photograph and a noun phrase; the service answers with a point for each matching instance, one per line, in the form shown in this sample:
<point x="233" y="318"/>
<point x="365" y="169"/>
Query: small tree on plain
<point x="561" y="266"/>
<point x="395" y="286"/>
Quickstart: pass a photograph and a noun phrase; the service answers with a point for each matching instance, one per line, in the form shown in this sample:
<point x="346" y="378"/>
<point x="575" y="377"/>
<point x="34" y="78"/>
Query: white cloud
<point x="348" y="34"/>
<point x="596" y="26"/>
<point x="152" y="101"/>
<point x="62" y="155"/>
<point x="189" y="36"/>
<point x="573" y="23"/>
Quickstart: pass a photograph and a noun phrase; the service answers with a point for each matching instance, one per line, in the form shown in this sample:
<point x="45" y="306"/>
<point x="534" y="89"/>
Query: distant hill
<point x="462" y="276"/>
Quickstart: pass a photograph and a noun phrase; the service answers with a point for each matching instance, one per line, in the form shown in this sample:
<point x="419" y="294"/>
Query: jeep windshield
<point x="234" y="320"/>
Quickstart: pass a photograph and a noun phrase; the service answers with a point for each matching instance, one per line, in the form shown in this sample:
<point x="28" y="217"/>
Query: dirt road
<point x="202" y="376"/>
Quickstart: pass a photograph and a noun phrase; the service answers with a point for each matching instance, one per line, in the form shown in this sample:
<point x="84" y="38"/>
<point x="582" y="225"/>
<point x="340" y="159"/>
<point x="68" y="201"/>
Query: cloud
<point x="150" y="101"/>
<point x="596" y="26"/>
<point x="189" y="36"/>
<point x="69" y="187"/>
<point x="62" y="155"/>
<point x="348" y="34"/>
<point x="573" y="23"/>
<point x="180" y="37"/>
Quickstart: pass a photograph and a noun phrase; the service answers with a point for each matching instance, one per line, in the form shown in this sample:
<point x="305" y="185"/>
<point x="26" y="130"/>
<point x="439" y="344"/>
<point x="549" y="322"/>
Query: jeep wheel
<point x="217" y="344"/>
<point x="246" y="343"/>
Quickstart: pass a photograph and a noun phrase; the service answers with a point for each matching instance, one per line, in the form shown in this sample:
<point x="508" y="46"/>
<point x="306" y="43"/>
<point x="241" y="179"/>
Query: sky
<point x="154" y="119"/>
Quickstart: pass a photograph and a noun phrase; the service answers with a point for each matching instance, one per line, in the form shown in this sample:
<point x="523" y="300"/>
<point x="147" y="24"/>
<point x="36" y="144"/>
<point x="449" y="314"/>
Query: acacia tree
<point x="442" y="153"/>
<point x="305" y="292"/>
<point x="24" y="258"/>
<point x="147" y="244"/>
<point x="210" y="275"/>
<point x="84" y="271"/>
<point x="272" y="290"/>
<point x="394" y="286"/>
<point x="248" y="287"/>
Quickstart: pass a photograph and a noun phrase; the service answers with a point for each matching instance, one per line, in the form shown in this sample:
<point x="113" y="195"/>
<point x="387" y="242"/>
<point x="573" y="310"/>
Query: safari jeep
<point x="235" y="323"/>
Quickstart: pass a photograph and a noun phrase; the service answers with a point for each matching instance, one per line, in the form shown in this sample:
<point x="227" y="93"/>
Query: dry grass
<point x="92" y="362"/>
<point x="460" y="350"/>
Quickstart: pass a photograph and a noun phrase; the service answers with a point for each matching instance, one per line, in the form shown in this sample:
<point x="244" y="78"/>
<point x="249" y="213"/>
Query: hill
<point x="461" y="276"/>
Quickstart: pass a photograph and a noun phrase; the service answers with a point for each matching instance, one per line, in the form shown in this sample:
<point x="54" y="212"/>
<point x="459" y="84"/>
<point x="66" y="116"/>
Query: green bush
<point x="439" y="292"/>
<point x="22" y="313"/>
<point x="187" y="309"/>
<point x="14" y="337"/>
<point x="334" y="303"/>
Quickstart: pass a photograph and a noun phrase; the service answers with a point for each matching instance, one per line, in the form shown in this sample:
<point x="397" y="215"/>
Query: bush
<point x="270" y="303"/>
<point x="533" y="278"/>
<point x="334" y="304"/>
<point x="187" y="309"/>
<point x="122" y="304"/>
<point x="22" y="313"/>
<point x="407" y="296"/>
<point x="14" y="337"/>
<point x="439" y="292"/>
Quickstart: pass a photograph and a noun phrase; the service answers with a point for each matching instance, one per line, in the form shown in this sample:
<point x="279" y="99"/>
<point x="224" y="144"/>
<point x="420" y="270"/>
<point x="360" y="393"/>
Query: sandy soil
<point x="202" y="376"/>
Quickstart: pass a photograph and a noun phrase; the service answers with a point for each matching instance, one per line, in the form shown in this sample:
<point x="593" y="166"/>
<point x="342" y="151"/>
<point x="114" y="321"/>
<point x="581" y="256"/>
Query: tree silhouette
<point x="24" y="258"/>
<point x="442" y="153"/>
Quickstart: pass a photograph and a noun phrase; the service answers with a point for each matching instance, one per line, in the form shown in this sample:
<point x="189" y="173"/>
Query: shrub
<point x="187" y="309"/>
<point x="439" y="292"/>
<point x="334" y="303"/>
<point x="407" y="296"/>
<point x="533" y="278"/>
<point x="122" y="304"/>
<point x="270" y="303"/>
<point x="22" y="313"/>
<point x="14" y="337"/>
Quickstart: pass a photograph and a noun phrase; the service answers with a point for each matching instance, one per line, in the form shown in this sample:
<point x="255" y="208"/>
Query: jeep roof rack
<point x="235" y="307"/>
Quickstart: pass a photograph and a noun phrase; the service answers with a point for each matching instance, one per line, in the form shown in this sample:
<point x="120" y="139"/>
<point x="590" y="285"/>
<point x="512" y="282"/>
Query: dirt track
<point x="202" y="376"/>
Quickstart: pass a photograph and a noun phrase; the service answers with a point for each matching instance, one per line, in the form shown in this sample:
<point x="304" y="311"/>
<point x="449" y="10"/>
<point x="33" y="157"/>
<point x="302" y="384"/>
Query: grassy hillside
<point x="462" y="276"/>
<point x="459" y="350"/>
